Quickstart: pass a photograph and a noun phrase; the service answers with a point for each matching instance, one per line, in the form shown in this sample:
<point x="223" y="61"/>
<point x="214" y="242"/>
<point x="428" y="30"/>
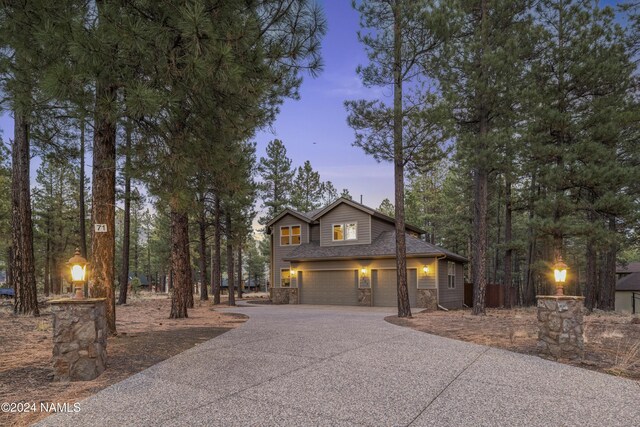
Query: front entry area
<point x="329" y="287"/>
<point x="384" y="288"/>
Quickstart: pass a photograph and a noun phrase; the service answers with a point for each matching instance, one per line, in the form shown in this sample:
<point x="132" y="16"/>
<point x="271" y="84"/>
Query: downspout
<point x="438" y="282"/>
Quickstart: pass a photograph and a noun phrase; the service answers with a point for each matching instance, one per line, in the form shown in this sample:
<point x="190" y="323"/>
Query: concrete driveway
<point x="333" y="366"/>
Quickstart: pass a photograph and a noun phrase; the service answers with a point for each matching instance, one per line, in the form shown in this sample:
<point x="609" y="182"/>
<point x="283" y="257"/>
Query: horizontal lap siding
<point x="315" y="233"/>
<point x="280" y="251"/>
<point x="378" y="227"/>
<point x="343" y="214"/>
<point x="450" y="298"/>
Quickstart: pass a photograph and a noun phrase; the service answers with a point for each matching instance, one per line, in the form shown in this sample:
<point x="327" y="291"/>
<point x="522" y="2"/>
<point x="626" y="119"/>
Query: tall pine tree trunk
<point x="607" y="295"/>
<point x="104" y="200"/>
<point x="216" y="268"/>
<point x="508" y="253"/>
<point x="23" y="269"/>
<point x="239" y="270"/>
<point x="529" y="292"/>
<point x="202" y="228"/>
<point x="126" y="232"/>
<point x="480" y="190"/>
<point x="180" y="264"/>
<point x="81" y="198"/>
<point x="404" y="308"/>
<point x="230" y="278"/>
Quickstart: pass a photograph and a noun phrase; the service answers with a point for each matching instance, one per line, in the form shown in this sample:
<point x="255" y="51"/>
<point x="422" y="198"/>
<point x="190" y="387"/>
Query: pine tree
<point x="399" y="35"/>
<point x="480" y="71"/>
<point x="277" y="178"/>
<point x="307" y="193"/>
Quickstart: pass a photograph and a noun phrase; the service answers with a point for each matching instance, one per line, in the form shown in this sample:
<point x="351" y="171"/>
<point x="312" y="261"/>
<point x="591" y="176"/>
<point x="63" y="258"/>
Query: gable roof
<point x="288" y="211"/>
<point x="315" y="214"/>
<point x="629" y="283"/>
<point x="382" y="247"/>
<point x="367" y="209"/>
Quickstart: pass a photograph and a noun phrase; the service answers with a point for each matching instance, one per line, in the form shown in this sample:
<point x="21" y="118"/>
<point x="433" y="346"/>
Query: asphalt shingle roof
<point x="632" y="267"/>
<point x="629" y="283"/>
<point x="383" y="246"/>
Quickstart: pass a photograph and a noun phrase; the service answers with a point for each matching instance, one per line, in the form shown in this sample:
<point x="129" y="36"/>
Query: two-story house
<point x="344" y="254"/>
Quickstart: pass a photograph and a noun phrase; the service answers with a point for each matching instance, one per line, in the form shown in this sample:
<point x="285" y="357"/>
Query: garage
<point x="384" y="288"/>
<point x="339" y="287"/>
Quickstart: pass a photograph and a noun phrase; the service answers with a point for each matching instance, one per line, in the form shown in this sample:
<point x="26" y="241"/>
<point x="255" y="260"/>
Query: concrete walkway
<point x="333" y="366"/>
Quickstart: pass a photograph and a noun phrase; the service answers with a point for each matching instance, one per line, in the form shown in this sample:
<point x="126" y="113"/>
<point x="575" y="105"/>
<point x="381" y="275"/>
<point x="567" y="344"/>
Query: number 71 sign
<point x="100" y="228"/>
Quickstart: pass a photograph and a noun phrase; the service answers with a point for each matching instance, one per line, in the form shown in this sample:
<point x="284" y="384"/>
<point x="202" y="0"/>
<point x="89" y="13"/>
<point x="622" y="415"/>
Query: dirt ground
<point x="612" y="341"/>
<point x="145" y="337"/>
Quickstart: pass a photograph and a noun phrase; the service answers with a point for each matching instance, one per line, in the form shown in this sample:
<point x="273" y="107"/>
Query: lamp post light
<point x="78" y="266"/>
<point x="560" y="275"/>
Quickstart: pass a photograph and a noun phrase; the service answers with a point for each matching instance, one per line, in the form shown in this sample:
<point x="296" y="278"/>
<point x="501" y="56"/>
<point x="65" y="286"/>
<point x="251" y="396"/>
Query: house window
<point x="451" y="274"/>
<point x="290" y="235"/>
<point x="348" y="231"/>
<point x="285" y="278"/>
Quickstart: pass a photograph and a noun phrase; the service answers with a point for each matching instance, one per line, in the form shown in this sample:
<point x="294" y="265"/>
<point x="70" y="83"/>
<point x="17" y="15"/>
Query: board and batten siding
<point x="280" y="252"/>
<point x="342" y="214"/>
<point x="378" y="227"/>
<point x="450" y="298"/>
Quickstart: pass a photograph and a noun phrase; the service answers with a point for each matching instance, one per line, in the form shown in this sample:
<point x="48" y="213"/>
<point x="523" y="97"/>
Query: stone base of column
<point x="79" y="338"/>
<point x="561" y="329"/>
<point x="428" y="298"/>
<point x="364" y="297"/>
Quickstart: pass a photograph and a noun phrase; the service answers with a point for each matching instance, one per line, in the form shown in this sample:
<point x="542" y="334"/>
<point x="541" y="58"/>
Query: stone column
<point x="364" y="297"/>
<point x="428" y="298"/>
<point x="79" y="338"/>
<point x="560" y="322"/>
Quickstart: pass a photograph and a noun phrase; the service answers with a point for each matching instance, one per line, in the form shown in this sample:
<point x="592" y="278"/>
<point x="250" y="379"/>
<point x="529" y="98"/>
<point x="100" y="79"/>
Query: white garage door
<point x="338" y="287"/>
<point x="385" y="292"/>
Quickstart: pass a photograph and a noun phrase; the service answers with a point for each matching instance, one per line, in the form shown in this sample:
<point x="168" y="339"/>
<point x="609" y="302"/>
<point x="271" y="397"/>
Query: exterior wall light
<point x="78" y="266"/>
<point x="425" y="270"/>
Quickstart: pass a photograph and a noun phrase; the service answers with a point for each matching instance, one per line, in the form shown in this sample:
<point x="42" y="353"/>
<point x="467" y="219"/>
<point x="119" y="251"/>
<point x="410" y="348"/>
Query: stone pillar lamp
<point x="560" y="320"/>
<point x="79" y="330"/>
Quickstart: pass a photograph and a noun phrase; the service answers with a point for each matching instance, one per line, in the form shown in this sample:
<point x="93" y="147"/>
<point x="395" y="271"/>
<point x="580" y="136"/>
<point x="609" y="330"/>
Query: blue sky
<point x="320" y="117"/>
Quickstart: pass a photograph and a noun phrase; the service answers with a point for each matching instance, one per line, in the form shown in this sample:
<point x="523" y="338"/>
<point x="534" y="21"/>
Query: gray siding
<point x="378" y="227"/>
<point x="450" y="298"/>
<point x="315" y="233"/>
<point x="280" y="251"/>
<point x="339" y="215"/>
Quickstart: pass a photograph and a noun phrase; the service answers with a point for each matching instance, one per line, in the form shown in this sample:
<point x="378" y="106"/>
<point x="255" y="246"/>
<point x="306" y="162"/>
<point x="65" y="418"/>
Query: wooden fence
<point x="494" y="296"/>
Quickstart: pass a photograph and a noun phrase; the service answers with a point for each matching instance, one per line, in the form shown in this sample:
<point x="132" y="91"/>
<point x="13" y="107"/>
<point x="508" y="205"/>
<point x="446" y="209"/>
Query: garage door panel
<point x="384" y="288"/>
<point x="330" y="287"/>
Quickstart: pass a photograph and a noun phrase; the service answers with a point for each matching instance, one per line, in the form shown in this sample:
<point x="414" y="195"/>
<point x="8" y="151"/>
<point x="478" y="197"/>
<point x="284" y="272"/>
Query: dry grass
<point x="612" y="341"/>
<point x="146" y="337"/>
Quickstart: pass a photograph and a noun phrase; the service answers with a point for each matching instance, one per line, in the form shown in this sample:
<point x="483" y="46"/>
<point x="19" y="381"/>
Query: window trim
<point x="451" y="284"/>
<point x="344" y="231"/>
<point x="288" y="270"/>
<point x="290" y="227"/>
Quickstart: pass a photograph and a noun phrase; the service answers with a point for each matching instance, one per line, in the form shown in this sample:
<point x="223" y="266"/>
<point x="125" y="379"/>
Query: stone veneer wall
<point x="560" y="322"/>
<point x="284" y="295"/>
<point x="428" y="298"/>
<point x="364" y="297"/>
<point x="79" y="339"/>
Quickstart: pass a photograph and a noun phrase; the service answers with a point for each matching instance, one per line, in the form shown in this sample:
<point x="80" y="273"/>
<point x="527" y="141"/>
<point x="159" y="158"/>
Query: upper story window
<point x="347" y="231"/>
<point x="451" y="274"/>
<point x="290" y="235"/>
